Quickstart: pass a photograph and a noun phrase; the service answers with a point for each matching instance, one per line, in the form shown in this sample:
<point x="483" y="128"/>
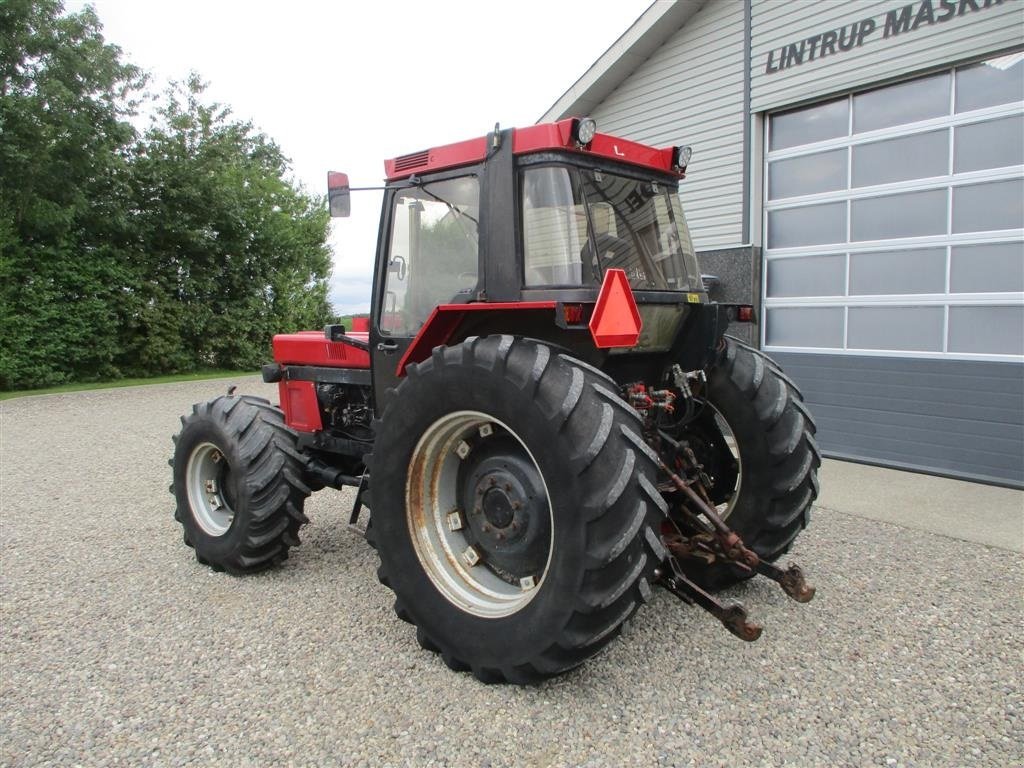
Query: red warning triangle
<point x="616" y="320"/>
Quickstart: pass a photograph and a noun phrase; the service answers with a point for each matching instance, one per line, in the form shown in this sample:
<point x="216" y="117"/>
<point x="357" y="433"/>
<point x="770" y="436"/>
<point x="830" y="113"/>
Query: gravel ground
<point x="119" y="649"/>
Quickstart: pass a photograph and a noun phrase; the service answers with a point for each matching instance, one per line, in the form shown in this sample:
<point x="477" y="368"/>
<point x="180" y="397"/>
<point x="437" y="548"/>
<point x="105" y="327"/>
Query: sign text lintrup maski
<point x="898" y="21"/>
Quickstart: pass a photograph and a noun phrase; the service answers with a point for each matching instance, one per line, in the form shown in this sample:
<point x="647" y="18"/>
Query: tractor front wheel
<point x="238" y="484"/>
<point x="514" y="508"/>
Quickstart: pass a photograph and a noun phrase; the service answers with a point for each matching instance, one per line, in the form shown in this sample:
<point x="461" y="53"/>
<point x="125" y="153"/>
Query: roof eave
<point x="635" y="46"/>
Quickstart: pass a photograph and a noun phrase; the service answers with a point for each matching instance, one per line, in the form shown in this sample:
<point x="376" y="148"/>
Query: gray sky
<point x="344" y="85"/>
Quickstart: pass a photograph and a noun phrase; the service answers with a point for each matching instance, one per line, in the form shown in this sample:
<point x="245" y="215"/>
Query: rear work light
<point x="681" y="157"/>
<point x="584" y="130"/>
<point x="745" y="313"/>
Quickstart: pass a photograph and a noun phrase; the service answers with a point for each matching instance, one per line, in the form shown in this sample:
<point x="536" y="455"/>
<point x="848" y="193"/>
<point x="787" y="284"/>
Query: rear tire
<point x="562" y="430"/>
<point x="238" y="484"/>
<point x="778" y="457"/>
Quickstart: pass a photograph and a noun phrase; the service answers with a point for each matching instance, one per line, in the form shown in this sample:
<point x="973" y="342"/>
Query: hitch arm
<point x="731" y="546"/>
<point x="733" y="617"/>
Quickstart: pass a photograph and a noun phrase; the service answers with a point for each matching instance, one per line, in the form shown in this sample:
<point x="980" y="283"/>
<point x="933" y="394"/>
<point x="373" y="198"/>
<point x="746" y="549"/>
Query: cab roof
<point x="544" y="137"/>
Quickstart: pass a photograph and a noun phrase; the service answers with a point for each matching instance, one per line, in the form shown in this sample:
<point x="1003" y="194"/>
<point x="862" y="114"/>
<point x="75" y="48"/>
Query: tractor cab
<point x="525" y="220"/>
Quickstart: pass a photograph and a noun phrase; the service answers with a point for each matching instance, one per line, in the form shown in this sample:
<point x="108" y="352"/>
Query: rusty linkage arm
<point x="716" y="541"/>
<point x="731" y="546"/>
<point x="733" y="616"/>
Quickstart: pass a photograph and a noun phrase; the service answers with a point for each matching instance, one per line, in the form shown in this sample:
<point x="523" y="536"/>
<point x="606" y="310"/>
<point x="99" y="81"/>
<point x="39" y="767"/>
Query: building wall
<point x="959" y="29"/>
<point x="690" y="91"/>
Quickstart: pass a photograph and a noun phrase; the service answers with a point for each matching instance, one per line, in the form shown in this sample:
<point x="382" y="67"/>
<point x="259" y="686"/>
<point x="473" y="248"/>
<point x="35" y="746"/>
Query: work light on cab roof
<point x="542" y="413"/>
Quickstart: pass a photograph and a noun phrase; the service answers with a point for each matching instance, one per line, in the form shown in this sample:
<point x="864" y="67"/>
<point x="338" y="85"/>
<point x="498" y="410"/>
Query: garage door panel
<point x="991" y="206"/>
<point x="960" y="417"/>
<point x="948" y="461"/>
<point x="967" y="418"/>
<point x="987" y="268"/>
<point x="1000" y="437"/>
<point x="970" y="384"/>
<point x="882" y="436"/>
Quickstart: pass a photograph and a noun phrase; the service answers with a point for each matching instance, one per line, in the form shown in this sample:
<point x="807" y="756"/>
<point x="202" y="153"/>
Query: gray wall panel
<point x="956" y="417"/>
<point x="690" y="91"/>
<point x="776" y="23"/>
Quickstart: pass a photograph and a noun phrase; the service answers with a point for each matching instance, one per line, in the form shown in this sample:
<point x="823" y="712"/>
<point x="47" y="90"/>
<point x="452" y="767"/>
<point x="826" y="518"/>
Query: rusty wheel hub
<point x="478" y="514"/>
<point x="508" y="518"/>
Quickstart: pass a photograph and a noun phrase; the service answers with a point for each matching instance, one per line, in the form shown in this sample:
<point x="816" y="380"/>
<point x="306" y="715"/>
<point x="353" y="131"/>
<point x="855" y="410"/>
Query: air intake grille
<point x="415" y="160"/>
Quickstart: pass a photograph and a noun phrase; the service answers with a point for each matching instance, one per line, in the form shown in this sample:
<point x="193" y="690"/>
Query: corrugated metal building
<point x="858" y="173"/>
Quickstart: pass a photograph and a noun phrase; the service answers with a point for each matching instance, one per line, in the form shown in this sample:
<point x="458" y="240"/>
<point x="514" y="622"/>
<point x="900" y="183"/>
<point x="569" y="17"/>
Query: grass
<point x="83" y="386"/>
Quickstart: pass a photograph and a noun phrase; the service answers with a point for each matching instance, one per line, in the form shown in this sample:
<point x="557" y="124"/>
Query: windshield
<point x="579" y="223"/>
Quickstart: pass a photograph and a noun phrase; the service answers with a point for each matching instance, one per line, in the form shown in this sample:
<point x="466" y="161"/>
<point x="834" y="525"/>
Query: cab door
<point x="429" y="255"/>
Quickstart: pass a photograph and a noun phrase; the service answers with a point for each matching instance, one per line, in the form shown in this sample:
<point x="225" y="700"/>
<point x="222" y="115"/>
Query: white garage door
<point x="894" y="233"/>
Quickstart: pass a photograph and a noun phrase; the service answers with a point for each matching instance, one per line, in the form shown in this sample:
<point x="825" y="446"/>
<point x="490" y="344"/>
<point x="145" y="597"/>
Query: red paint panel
<point x="301" y="411"/>
<point x="447" y="156"/>
<point x="360" y="325"/>
<point x="534" y="138"/>
<point x="446" y="318"/>
<point x="537" y="138"/>
<point x="616" y="320"/>
<point x="555" y="136"/>
<point x="626" y="151"/>
<point x="312" y="348"/>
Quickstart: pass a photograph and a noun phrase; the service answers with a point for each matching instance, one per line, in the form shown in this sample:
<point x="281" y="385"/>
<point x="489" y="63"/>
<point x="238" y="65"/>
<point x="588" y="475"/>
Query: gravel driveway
<point x="119" y="649"/>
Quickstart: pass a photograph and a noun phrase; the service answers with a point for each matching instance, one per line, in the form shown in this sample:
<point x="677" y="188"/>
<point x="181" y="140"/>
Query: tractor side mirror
<point x="338" y="194"/>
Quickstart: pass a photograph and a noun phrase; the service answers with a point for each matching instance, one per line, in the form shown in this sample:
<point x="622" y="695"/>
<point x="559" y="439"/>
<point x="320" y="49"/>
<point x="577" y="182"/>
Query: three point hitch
<point x="714" y="542"/>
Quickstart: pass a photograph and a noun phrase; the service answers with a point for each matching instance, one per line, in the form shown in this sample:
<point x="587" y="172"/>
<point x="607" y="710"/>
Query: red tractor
<point x="543" y="414"/>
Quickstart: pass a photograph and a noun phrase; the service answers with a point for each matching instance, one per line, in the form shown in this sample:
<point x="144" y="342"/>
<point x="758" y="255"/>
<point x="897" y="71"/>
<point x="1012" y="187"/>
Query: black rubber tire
<point x="266" y="484"/>
<point x="779" y="457"/>
<point x="600" y="476"/>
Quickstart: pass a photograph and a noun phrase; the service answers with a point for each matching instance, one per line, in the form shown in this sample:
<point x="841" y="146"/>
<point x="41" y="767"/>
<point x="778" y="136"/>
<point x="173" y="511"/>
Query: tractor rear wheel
<point x="514" y="508"/>
<point x="238" y="484"/>
<point x="759" y="439"/>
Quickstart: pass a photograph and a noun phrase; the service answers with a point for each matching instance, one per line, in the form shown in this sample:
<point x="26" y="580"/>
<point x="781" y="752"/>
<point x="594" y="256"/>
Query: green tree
<point x="231" y="251"/>
<point x="183" y="249"/>
<point x="65" y="96"/>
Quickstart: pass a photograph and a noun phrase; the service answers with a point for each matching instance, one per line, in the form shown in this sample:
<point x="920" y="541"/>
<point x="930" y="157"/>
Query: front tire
<point x="238" y="484"/>
<point x="564" y="458"/>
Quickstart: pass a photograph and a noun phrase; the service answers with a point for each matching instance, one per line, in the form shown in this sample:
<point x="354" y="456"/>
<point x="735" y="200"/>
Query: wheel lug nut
<point x="471" y="556"/>
<point x="508" y="486"/>
<point x="516" y="505"/>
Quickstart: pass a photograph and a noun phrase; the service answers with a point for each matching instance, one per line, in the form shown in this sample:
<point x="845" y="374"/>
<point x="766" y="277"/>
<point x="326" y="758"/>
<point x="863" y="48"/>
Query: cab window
<point x="433" y="251"/>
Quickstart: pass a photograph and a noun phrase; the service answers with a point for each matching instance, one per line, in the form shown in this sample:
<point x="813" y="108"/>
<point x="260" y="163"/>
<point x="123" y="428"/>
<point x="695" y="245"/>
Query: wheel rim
<point x="206" y="478"/>
<point x="479" y="515"/>
<point x="724" y="510"/>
